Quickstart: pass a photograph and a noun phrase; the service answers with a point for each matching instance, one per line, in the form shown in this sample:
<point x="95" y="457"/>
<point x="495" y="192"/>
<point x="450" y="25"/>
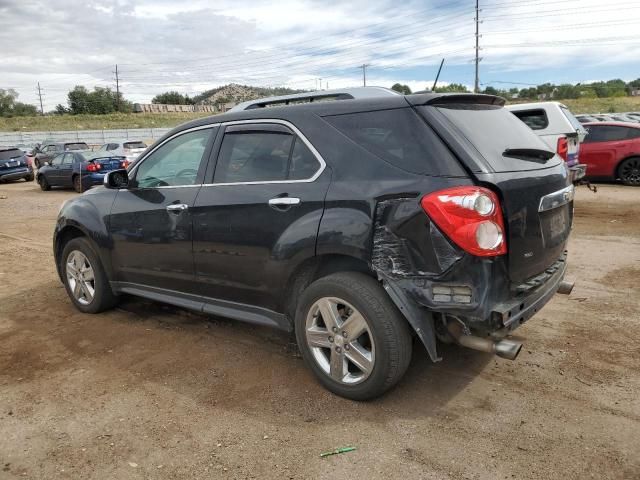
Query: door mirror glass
<point x="116" y="179"/>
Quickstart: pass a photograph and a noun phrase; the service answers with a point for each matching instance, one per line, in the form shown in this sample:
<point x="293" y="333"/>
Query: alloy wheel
<point x="80" y="277"/>
<point x="340" y="340"/>
<point x="630" y="171"/>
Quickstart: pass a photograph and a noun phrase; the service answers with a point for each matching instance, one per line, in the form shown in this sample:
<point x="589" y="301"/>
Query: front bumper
<point x="15" y="174"/>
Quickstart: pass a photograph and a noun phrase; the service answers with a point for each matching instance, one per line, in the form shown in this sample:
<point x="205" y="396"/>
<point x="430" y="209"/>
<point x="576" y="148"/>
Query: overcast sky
<point x="194" y="45"/>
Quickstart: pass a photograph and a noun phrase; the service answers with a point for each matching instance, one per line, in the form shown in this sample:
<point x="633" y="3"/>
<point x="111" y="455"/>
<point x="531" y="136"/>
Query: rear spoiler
<point x="445" y="99"/>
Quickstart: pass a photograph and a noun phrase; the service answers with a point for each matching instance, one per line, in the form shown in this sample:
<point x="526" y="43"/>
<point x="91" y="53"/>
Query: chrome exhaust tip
<point x="508" y="349"/>
<point x="565" y="287"/>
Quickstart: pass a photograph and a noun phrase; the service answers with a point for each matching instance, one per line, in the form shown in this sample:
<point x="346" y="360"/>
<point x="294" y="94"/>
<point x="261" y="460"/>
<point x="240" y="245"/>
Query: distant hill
<point x="239" y="93"/>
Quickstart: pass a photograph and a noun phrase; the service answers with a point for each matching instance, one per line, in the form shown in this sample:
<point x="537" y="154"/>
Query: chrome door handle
<point x="177" y="208"/>
<point x="284" y="201"/>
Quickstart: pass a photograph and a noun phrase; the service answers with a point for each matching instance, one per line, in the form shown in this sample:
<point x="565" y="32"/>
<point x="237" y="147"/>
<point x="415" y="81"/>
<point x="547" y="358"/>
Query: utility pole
<point x="117" y="90"/>
<point x="364" y="73"/>
<point x="476" y="87"/>
<point x="40" y="96"/>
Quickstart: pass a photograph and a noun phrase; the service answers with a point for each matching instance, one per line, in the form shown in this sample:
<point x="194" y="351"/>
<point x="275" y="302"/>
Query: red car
<point x="611" y="150"/>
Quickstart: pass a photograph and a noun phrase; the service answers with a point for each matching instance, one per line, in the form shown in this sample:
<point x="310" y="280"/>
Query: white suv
<point x="560" y="130"/>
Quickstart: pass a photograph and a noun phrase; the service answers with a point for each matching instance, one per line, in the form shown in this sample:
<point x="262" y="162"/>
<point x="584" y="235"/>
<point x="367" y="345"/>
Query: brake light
<point x="93" y="167"/>
<point x="124" y="164"/>
<point x="563" y="148"/>
<point x="471" y="217"/>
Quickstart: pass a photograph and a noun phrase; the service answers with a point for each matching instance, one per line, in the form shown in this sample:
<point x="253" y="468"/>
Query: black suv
<point x="355" y="223"/>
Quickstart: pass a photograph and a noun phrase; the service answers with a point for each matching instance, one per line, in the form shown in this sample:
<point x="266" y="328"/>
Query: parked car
<point x="14" y="165"/>
<point x="77" y="170"/>
<point x="587" y="118"/>
<point x="560" y="130"/>
<point x="130" y="149"/>
<point x="612" y="151"/>
<point x="354" y="222"/>
<point x="48" y="150"/>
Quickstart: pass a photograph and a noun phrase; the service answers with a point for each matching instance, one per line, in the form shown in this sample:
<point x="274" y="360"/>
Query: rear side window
<point x="534" y="119"/>
<point x="10" y="153"/>
<point x="398" y="137"/>
<point x="76" y="146"/>
<point x="493" y="131"/>
<point x="264" y="156"/>
<point x="134" y="145"/>
<point x="606" y="133"/>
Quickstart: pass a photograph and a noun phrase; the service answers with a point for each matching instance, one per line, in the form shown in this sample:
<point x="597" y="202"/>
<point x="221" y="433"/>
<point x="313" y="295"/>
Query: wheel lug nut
<point x="331" y="339"/>
<point x="338" y="349"/>
<point x="347" y="347"/>
<point x="335" y="329"/>
<point x="344" y="334"/>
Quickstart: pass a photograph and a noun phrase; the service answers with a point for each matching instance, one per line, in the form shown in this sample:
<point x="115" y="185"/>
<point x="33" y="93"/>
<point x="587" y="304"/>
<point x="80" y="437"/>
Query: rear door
<point x="504" y="154"/>
<point x="66" y="170"/>
<point x="601" y="149"/>
<point x="52" y="172"/>
<point x="151" y="221"/>
<point x="259" y="212"/>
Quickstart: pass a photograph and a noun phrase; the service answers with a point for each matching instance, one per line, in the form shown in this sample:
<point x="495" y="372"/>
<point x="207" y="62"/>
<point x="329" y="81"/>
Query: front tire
<point x="84" y="277"/>
<point x="629" y="171"/>
<point x="77" y="183"/>
<point x="352" y="336"/>
<point x="29" y="178"/>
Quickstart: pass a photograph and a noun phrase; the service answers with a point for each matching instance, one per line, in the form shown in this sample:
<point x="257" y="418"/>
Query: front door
<point x="150" y="221"/>
<point x="259" y="215"/>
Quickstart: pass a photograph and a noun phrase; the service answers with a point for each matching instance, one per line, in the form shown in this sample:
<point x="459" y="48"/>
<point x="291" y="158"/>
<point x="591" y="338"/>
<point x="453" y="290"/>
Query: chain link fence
<point x="92" y="137"/>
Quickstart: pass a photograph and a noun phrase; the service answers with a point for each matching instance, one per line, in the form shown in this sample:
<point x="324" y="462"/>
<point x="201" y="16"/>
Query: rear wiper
<point x="529" y="153"/>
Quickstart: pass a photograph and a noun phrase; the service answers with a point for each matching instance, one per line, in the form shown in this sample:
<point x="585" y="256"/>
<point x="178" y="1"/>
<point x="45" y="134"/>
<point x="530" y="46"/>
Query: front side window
<point x="67" y="159"/>
<point x="57" y="160"/>
<point x="175" y="163"/>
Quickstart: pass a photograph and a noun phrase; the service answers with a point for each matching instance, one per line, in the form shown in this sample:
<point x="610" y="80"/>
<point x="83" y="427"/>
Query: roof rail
<point x="320" y="95"/>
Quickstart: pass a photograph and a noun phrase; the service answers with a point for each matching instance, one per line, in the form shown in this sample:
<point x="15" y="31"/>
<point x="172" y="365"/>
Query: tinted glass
<point x="534" y="119"/>
<point x="304" y="163"/>
<point x="605" y="133"/>
<point x="492" y="130"/>
<point x="76" y="146"/>
<point x="253" y="157"/>
<point x="633" y="133"/>
<point x="134" y="145"/>
<point x="175" y="163"/>
<point x="400" y="138"/>
<point x="10" y="153"/>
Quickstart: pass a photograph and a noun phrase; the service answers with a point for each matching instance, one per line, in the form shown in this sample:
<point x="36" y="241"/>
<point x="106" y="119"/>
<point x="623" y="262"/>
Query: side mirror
<point x="116" y="179"/>
<point x="47" y="164"/>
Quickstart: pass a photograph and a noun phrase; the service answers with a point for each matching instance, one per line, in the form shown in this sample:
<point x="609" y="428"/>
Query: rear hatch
<point x="503" y="154"/>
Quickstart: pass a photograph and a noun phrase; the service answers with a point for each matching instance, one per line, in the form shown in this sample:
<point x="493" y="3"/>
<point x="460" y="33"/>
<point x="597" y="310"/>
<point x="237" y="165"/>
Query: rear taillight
<point x="124" y="164"/>
<point x="93" y="167"/>
<point x="563" y="148"/>
<point x="471" y="217"/>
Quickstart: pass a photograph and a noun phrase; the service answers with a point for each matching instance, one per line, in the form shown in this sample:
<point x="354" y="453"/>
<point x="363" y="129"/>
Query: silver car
<point x="130" y="149"/>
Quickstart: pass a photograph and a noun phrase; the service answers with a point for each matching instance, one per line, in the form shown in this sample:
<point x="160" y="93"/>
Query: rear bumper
<point x="93" y="179"/>
<point x="16" y="174"/>
<point x="577" y="172"/>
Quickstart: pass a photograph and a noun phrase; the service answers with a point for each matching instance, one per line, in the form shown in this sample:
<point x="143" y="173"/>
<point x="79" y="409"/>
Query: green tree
<point x="404" y="89"/>
<point x="172" y="98"/>
<point x="100" y="101"/>
<point x="452" y="87"/>
<point x="490" y="91"/>
<point x="9" y="107"/>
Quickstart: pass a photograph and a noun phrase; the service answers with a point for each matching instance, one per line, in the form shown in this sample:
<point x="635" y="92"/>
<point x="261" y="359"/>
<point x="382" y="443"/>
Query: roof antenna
<point x="433" y="89"/>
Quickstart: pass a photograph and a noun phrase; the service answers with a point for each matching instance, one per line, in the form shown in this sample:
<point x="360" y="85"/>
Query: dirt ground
<point x="150" y="391"/>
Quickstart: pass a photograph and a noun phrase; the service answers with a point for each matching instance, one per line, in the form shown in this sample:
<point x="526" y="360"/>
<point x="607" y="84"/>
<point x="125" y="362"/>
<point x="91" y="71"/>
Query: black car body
<point x="389" y="188"/>
<point x="14" y="165"/>
<point x="73" y="169"/>
<point x="47" y="150"/>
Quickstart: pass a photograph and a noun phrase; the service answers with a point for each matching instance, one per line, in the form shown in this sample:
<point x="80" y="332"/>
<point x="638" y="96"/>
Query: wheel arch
<point x="64" y="236"/>
<point x="616" y="171"/>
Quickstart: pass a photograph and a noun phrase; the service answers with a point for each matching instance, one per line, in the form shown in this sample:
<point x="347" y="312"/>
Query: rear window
<point x="607" y="133"/>
<point x="534" y="119"/>
<point x="399" y="137"/>
<point x="134" y="145"/>
<point x="572" y="120"/>
<point x="494" y="130"/>
<point x="10" y="153"/>
<point x="76" y="146"/>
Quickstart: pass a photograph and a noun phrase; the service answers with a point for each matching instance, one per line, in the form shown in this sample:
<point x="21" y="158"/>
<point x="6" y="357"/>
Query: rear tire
<point x="629" y="171"/>
<point x="44" y="185"/>
<point x="84" y="277"/>
<point x="77" y="183"/>
<point x="354" y="365"/>
<point x="29" y="178"/>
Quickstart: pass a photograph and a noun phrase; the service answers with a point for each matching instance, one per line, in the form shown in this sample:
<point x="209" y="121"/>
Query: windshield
<point x="10" y="153"/>
<point x="494" y="131"/>
<point x="76" y="146"/>
<point x="130" y="145"/>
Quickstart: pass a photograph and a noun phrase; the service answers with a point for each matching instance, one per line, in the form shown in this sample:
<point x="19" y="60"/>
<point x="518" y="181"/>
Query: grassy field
<point x="96" y="122"/>
<point x="602" y="105"/>
<point x="148" y="120"/>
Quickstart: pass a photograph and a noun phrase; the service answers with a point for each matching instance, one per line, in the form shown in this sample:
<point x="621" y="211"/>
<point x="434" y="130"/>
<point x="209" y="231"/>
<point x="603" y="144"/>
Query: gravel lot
<point x="150" y="391"/>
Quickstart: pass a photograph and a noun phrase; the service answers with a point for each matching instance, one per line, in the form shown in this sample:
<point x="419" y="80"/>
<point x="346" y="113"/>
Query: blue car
<point x="14" y="165"/>
<point x="77" y="170"/>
